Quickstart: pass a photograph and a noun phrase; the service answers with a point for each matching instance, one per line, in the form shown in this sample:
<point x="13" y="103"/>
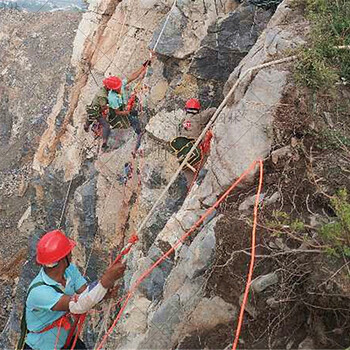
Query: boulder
<point x="260" y="283"/>
<point x="211" y="312"/>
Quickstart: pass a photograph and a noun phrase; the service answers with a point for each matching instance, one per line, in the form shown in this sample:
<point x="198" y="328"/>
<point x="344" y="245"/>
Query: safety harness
<point x="124" y="121"/>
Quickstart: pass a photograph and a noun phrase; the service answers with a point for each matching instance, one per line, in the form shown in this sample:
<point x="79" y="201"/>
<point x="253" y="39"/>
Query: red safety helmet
<point x="193" y="103"/>
<point x="53" y="247"/>
<point x="112" y="83"/>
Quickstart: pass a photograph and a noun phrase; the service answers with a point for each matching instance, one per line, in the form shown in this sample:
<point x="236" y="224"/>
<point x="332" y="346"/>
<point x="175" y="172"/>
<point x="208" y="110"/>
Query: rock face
<point x="202" y="44"/>
<point x="183" y="302"/>
<point x="35" y="51"/>
<point x="248" y="116"/>
<point x="188" y="22"/>
<point x="240" y="136"/>
<point x="228" y="41"/>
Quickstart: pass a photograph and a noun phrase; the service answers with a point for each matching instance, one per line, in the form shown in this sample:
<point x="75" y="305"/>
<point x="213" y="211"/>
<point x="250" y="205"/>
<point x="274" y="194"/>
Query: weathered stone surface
<point x="211" y="312"/>
<point x="250" y="201"/>
<point x="152" y="286"/>
<point x="156" y="172"/>
<point x="164" y="125"/>
<point x="175" y="281"/>
<point x="191" y="292"/>
<point x="228" y="41"/>
<point x="162" y="325"/>
<point x="136" y="316"/>
<point x="201" y="251"/>
<point x="171" y="40"/>
<point x="7" y="117"/>
<point x="158" y="91"/>
<point x="26" y="224"/>
<point x="187" y="25"/>
<point x="246" y="123"/>
<point x="285" y="30"/>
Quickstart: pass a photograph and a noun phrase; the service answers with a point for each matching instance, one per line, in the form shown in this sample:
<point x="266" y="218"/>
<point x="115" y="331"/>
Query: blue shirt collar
<point x="51" y="282"/>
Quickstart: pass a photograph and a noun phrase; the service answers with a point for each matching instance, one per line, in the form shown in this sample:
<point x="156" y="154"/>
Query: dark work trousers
<point x="135" y="123"/>
<point x="106" y="129"/>
<point x="78" y="346"/>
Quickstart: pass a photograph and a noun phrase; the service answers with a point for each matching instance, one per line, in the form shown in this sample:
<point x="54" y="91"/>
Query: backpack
<point x="181" y="146"/>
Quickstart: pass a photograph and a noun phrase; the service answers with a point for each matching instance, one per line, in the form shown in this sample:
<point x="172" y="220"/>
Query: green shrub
<point x="337" y="233"/>
<point x="321" y="62"/>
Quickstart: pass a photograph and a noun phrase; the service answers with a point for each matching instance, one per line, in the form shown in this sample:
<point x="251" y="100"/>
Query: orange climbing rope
<point x="181" y="241"/>
<point x="252" y="260"/>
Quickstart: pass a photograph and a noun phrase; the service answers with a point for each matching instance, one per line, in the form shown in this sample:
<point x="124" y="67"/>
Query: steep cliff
<point x="34" y="63"/>
<point x="202" y="49"/>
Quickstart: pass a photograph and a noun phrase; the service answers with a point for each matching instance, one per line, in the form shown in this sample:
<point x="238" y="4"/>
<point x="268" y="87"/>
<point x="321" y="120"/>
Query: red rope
<point x="71" y="333"/>
<point x="177" y="244"/>
<point x="196" y="174"/>
<point x="252" y="260"/>
<point x="58" y="334"/>
<point x="81" y="321"/>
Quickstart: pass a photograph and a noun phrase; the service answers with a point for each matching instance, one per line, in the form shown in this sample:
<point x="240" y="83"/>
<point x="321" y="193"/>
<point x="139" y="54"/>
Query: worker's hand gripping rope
<point x="132" y="240"/>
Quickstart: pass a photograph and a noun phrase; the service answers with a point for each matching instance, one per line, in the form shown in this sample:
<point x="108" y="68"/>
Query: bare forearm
<point x="135" y="75"/>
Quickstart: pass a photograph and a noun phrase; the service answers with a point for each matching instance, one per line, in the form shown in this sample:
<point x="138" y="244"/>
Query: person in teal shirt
<point x="109" y="106"/>
<point x="40" y="302"/>
<point x="58" y="291"/>
<point x="121" y="102"/>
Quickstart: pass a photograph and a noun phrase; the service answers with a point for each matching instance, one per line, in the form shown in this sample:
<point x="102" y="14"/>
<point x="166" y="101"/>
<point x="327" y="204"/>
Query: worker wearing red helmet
<point x="112" y="97"/>
<point x="59" y="289"/>
<point x="121" y="102"/>
<point x="195" y="120"/>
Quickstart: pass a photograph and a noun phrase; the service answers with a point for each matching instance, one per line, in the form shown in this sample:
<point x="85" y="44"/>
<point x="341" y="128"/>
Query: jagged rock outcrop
<point x="113" y="38"/>
<point x="240" y="137"/>
<point x="228" y="41"/>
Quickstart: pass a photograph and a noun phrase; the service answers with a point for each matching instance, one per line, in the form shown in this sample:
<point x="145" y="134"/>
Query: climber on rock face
<point x="190" y="128"/>
<point x="97" y="112"/>
<point x="122" y="103"/>
<point x="58" y="291"/>
<point x="195" y="120"/>
<point x="113" y="107"/>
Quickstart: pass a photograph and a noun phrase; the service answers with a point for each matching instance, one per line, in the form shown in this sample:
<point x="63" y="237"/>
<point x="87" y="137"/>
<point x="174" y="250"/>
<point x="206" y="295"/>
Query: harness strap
<point x="63" y="322"/>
